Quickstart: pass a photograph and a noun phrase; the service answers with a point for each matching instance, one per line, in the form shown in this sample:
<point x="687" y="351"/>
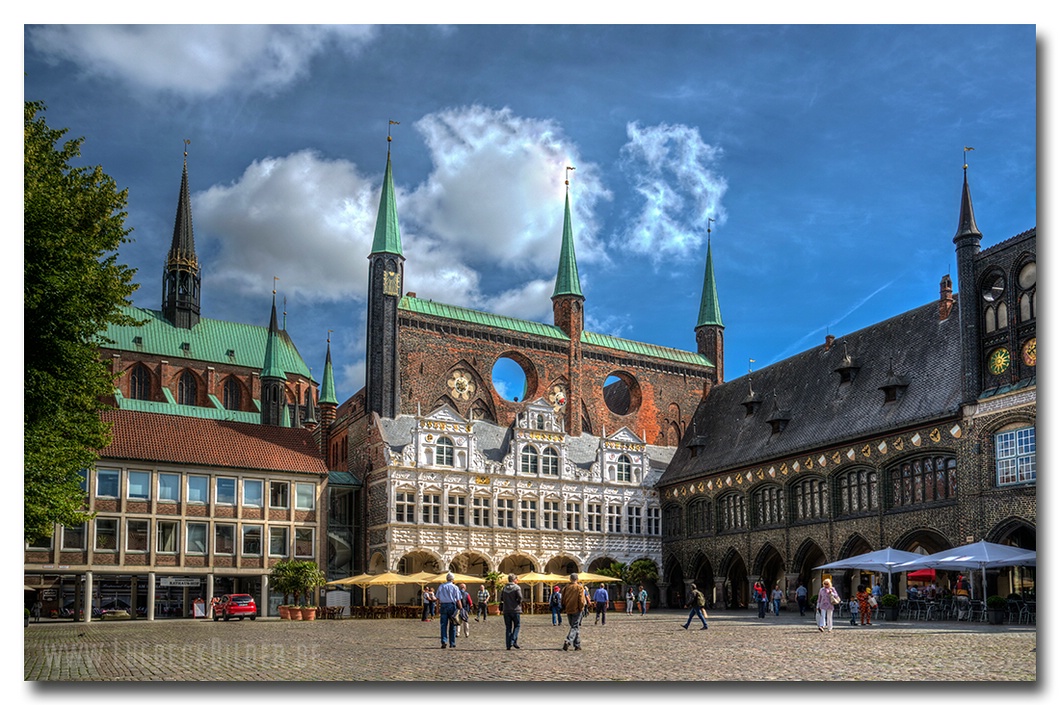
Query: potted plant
<point x="996" y="608"/>
<point x="620" y="571"/>
<point x="282" y="580"/>
<point x="640" y="571"/>
<point x="494" y="581"/>
<point x="890" y="604"/>
<point x="26" y="615"/>
<point x="306" y="578"/>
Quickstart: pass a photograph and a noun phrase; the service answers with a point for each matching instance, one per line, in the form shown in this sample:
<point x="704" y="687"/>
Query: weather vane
<point x="274" y="280"/>
<point x="709" y="221"/>
<point x="186" y="143"/>
<point x="966" y="150"/>
<point x="388" y="137"/>
<point x="566" y="181"/>
<point x="749" y="361"/>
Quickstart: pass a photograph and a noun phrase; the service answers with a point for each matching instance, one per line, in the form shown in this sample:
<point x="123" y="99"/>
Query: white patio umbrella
<point x="885" y="560"/>
<point x="981" y="555"/>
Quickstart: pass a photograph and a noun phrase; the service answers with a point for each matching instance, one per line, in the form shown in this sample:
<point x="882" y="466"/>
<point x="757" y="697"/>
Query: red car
<point x="237" y="605"/>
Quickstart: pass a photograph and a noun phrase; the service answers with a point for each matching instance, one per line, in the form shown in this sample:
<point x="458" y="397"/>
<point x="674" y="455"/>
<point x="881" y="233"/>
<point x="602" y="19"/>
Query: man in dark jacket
<point x="512" y="608"/>
<point x="697" y="605"/>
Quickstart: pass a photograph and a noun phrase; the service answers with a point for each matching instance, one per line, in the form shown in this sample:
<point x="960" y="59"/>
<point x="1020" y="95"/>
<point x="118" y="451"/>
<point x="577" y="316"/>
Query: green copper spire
<point x="272" y="367"/>
<point x="327" y="387"/>
<point x="567" y="282"/>
<point x="709" y="310"/>
<point x="387" y="235"/>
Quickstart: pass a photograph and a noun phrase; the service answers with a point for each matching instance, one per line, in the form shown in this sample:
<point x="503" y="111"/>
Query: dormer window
<point x="138" y="340"/>
<point x="528" y="460"/>
<point x="894" y="386"/>
<point x="185" y="347"/>
<point x="752" y="401"/>
<point x="778" y="418"/>
<point x="444" y="452"/>
<point x="623" y="469"/>
<point x="847" y="369"/>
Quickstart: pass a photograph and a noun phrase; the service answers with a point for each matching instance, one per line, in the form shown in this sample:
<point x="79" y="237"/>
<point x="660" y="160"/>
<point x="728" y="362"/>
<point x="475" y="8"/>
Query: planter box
<point x="995" y="615"/>
<point x="890" y="613"/>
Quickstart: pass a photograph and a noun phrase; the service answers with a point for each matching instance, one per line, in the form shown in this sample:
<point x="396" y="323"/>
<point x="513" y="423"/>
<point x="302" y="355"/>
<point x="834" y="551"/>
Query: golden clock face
<point x="999" y="361"/>
<point x="1030" y="352"/>
<point x="391" y="284"/>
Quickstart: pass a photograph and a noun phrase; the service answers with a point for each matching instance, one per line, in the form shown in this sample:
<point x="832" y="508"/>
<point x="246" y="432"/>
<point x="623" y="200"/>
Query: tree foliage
<point x="74" y="286"/>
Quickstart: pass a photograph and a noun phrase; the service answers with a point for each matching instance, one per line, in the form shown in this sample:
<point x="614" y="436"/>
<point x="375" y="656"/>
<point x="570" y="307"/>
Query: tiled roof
<point x="208" y="341"/>
<point x="925" y="352"/>
<point x="183" y="440"/>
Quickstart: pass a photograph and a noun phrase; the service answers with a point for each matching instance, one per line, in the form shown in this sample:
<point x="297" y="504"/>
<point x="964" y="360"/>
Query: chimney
<point x="945" y="297"/>
<point x="828" y="340"/>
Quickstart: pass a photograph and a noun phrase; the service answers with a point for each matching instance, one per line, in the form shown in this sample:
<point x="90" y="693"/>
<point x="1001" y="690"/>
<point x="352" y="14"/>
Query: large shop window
<point x="1014" y="453"/>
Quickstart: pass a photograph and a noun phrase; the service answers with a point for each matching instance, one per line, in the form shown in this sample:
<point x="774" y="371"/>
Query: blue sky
<point x="829" y="158"/>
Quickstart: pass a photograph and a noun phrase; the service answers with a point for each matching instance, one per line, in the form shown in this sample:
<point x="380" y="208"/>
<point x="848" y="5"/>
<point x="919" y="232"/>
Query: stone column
<point x="151" y="597"/>
<point x="792" y="580"/>
<point x="719" y="593"/>
<point x="263" y="603"/>
<point x="86" y="597"/>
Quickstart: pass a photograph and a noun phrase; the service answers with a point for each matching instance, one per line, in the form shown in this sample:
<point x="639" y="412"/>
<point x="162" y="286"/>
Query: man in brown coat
<point x="574" y="604"/>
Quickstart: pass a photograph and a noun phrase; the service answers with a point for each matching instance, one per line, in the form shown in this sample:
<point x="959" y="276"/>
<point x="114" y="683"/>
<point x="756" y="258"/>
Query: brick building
<point x="917" y="432"/>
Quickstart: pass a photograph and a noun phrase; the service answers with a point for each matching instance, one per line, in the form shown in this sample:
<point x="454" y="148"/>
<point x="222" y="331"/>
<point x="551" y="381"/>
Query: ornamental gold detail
<point x="898" y="443"/>
<point x="482" y="480"/>
<point x="956" y="431"/>
<point x="935" y="435"/>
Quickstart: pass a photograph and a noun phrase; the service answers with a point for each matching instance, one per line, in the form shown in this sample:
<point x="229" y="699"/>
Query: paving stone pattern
<point x="736" y="647"/>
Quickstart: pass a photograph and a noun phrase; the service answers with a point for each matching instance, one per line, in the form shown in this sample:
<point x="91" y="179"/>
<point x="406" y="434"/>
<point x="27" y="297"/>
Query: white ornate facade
<point x="478" y="497"/>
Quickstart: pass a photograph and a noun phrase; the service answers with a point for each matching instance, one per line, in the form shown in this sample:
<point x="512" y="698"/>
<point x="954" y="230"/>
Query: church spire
<point x="182" y="280"/>
<point x="966" y="223"/>
<point x="567" y="282"/>
<point x="273" y="378"/>
<point x="967" y="241"/>
<point x="327" y="387"/>
<point x="710" y="331"/>
<point x="387" y="234"/>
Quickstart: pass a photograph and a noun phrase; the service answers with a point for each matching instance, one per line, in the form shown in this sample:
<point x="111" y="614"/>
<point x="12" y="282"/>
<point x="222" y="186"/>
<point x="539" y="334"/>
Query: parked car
<point x="238" y="605"/>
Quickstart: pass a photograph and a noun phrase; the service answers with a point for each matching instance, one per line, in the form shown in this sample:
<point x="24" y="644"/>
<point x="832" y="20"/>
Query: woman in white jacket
<point x="826" y="597"/>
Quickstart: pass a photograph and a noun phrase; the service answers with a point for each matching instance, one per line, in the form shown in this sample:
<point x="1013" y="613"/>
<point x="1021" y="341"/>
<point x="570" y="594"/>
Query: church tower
<point x="181" y="280"/>
<point x="385" y="275"/>
<point x="568" y="312"/>
<point x="967" y="241"/>
<point x="273" y="378"/>
<point x="710" y="331"/>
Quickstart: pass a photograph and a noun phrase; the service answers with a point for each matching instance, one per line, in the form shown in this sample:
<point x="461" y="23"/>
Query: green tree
<point x="642" y="569"/>
<point x="74" y="223"/>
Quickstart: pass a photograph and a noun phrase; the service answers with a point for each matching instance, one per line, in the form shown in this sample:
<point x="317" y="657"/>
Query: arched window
<point x="140" y="383"/>
<point x="732" y="512"/>
<point x="233" y="398"/>
<point x="809" y="499"/>
<point x="672" y="520"/>
<point x="528" y="460"/>
<point x="769" y="506"/>
<point x="550" y="462"/>
<point x="623" y="469"/>
<point x="699" y="517"/>
<point x="187" y="389"/>
<point x="923" y="479"/>
<point x="856" y="491"/>
<point x="444" y="455"/>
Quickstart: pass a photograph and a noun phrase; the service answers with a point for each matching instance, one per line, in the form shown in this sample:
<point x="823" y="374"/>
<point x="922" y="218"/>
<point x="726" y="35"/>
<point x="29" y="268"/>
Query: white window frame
<point x="312" y="540"/>
<point x="196" y="527"/>
<point x="614" y="518"/>
<point x="164" y="487"/>
<point x="246" y="530"/>
<point x="218" y="545"/>
<point x="481" y="511"/>
<point x="594" y="517"/>
<point x="505" y="512"/>
<point x="305" y="491"/>
<point x="232" y="497"/>
<point x="279" y="535"/>
<point x="145" y="484"/>
<point x="69" y="533"/>
<point x="405" y="507"/>
<point x="528" y="513"/>
<point x="285" y="492"/>
<point x="431" y="508"/>
<point x="205" y="480"/>
<point x="108" y="472"/>
<point x="260" y="484"/>
<point x="574" y="516"/>
<point x="130" y="525"/>
<point x="1015" y="457"/>
<point x="550" y="514"/>
<point x="457" y="509"/>
<point x="113" y="531"/>
<point x="172" y="530"/>
<point x="633" y="519"/>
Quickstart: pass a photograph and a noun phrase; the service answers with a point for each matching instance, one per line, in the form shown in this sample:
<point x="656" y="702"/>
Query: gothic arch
<point x="1025" y="531"/>
<point x="855" y="545"/>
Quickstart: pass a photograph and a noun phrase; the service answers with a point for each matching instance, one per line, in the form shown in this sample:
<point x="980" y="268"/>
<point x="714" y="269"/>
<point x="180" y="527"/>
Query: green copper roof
<point x="467" y="315"/>
<point x="647" y="349"/>
<point x="199" y="412"/>
<point x="327" y="388"/>
<point x="567" y="282"/>
<point x="457" y="313"/>
<point x="387" y="235"/>
<point x="221" y="342"/>
<point x="709" y="310"/>
<point x="271" y="366"/>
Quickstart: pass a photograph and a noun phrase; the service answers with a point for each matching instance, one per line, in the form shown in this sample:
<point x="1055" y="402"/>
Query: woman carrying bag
<point x="827" y="599"/>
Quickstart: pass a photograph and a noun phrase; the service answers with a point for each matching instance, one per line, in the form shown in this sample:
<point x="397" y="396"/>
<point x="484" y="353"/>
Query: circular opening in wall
<point x="513" y="377"/>
<point x="621" y="393"/>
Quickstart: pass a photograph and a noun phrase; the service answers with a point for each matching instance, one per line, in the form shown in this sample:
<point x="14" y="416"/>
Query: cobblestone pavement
<point x="738" y="646"/>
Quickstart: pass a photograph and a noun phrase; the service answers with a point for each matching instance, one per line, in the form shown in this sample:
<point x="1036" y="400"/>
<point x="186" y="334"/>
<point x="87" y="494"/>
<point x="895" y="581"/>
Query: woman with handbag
<point x="827" y="599"/>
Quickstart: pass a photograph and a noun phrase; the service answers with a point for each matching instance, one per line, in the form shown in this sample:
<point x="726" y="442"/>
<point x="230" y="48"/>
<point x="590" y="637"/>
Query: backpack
<point x="556" y="600"/>
<point x="700" y="600"/>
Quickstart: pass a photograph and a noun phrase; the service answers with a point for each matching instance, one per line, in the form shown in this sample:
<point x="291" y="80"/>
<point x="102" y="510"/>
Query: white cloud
<point x="673" y="172"/>
<point x="495" y="196"/>
<point x="197" y="60"/>
<point x="304" y="219"/>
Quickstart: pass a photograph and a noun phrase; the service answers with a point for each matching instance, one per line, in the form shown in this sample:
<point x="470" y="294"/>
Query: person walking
<point x="574" y="606"/>
<point x="466" y="605"/>
<point x="827" y="599"/>
<point x="631" y="600"/>
<point x="555" y="604"/>
<point x="697" y="605"/>
<point x="512" y="609"/>
<point x="448" y="598"/>
<point x="642" y="597"/>
<point x="425" y="598"/>
<point x="601" y="598"/>
<point x="778" y="595"/>
<point x="585" y="592"/>
<point x="801" y="598"/>
<point x="483" y="603"/>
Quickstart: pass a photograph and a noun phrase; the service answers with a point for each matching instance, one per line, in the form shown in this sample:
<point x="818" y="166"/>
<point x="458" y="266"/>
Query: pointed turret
<point x="967" y="241"/>
<point x="568" y="312"/>
<point x="327" y="387"/>
<point x="181" y="280"/>
<point x="710" y="331"/>
<point x="273" y="378"/>
<point x="385" y="274"/>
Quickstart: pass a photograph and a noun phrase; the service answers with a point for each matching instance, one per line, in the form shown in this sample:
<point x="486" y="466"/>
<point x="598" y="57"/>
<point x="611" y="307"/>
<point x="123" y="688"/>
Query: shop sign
<point x="179" y="582"/>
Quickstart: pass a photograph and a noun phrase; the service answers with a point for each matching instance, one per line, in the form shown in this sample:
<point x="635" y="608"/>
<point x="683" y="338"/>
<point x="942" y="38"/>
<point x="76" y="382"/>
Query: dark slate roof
<point x="183" y="440"/>
<point x="924" y="351"/>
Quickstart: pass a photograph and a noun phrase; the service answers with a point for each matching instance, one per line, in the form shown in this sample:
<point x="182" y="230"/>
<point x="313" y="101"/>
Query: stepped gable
<point x="185" y="440"/>
<point x="821" y="411"/>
